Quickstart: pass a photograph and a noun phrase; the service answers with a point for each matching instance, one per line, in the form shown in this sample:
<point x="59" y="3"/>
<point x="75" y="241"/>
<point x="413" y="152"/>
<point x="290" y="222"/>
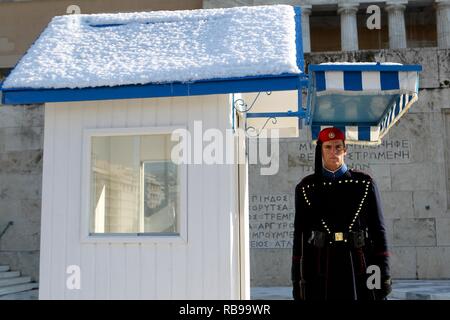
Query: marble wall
<point x="21" y="151"/>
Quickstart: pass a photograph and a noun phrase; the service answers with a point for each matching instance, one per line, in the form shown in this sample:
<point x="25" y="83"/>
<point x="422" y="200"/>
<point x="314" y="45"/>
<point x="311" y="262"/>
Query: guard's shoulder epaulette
<point x="360" y="174"/>
<point x="308" y="180"/>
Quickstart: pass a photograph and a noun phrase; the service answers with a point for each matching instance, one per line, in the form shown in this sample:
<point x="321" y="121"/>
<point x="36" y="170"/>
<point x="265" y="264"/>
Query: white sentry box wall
<point x="210" y="265"/>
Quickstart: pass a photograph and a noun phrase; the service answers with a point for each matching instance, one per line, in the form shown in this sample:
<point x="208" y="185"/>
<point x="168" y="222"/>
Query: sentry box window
<point x="135" y="188"/>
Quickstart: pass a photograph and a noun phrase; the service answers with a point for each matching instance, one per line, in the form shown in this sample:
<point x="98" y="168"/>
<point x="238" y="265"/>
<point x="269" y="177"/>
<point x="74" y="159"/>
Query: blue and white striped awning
<point x="362" y="99"/>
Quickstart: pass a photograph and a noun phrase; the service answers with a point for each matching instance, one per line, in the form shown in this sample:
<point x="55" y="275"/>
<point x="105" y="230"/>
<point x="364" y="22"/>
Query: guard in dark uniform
<point x="339" y="230"/>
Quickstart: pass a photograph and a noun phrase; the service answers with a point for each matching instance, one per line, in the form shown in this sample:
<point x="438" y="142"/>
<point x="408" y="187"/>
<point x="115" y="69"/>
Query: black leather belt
<point x="356" y="239"/>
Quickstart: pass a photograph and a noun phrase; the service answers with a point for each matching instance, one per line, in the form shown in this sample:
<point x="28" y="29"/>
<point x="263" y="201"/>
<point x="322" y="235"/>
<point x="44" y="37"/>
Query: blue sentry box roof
<point x="363" y="99"/>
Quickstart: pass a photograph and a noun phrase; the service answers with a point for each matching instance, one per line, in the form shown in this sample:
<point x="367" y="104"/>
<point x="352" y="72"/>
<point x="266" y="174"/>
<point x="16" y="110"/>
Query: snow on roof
<point x="79" y="51"/>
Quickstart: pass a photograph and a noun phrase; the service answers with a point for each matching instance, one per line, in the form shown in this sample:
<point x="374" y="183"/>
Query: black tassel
<point x="318" y="160"/>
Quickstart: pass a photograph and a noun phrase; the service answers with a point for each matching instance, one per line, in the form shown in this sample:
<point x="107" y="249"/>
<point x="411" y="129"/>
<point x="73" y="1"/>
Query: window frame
<point x="86" y="236"/>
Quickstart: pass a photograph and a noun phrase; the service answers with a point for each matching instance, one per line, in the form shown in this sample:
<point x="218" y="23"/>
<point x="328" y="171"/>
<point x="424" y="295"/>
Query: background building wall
<point x="324" y="19"/>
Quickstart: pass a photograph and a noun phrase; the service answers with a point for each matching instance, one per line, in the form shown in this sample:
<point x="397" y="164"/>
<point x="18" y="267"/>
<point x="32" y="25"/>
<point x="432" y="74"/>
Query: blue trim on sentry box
<point x="353" y="81"/>
<point x="321" y="84"/>
<point x="299" y="39"/>
<point x="364" y="67"/>
<point x="205" y="87"/>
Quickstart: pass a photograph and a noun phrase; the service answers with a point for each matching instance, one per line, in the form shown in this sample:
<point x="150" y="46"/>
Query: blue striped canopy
<point x="364" y="100"/>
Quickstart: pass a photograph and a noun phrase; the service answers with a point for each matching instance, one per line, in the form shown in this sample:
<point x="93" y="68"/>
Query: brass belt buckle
<point x="338" y="236"/>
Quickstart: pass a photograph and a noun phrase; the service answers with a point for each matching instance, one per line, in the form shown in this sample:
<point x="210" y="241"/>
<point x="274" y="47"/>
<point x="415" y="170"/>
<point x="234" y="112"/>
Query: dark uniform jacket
<point x="339" y="232"/>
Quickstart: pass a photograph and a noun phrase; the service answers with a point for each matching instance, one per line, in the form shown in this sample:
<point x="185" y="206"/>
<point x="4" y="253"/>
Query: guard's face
<point x="333" y="153"/>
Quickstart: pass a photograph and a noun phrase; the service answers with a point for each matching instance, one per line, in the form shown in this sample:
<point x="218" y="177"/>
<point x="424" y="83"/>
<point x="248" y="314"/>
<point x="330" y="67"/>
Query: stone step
<point x="9" y="274"/>
<point x="24" y="295"/>
<point x="4" y="268"/>
<point x="13" y="281"/>
<point x="18" y="288"/>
